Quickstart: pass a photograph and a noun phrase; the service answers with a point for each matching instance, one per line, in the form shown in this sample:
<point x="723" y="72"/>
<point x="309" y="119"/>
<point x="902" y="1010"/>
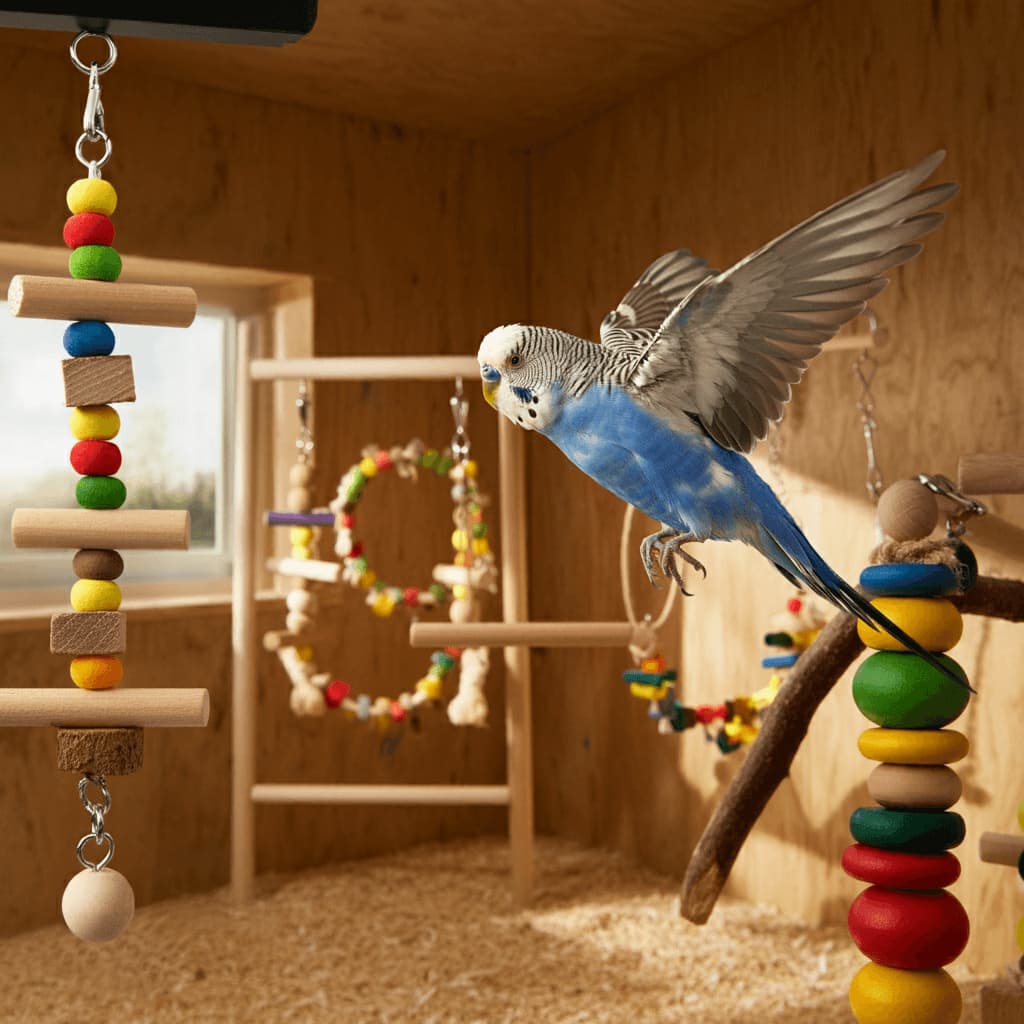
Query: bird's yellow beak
<point x="491" y="392"/>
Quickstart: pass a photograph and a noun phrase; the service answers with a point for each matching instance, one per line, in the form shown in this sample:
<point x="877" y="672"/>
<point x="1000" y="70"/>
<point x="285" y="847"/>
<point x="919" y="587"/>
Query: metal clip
<point x="92" y="120"/>
<point x="304" y="442"/>
<point x="966" y="507"/>
<point x="460" y="414"/>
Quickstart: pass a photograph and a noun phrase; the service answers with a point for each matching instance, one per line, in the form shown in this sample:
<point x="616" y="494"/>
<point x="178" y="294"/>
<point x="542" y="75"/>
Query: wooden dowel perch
<point x="991" y="473"/>
<point x="997" y="848"/>
<point x="366" y="368"/>
<point x="145" y="707"/>
<point x="120" y="529"/>
<point x="305" y="568"/>
<point x="520" y="634"/>
<point x="67" y="298"/>
<point x="420" y="795"/>
<point x="783" y="729"/>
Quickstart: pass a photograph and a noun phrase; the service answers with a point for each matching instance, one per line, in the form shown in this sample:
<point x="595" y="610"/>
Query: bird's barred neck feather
<point x="575" y="363"/>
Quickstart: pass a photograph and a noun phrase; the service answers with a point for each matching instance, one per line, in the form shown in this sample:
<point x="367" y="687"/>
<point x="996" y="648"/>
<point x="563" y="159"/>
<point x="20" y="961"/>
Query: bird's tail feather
<point x="793" y="555"/>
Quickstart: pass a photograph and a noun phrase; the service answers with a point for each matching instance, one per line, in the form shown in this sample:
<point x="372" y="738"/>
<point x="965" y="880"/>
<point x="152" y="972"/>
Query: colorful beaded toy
<point x="906" y="923"/>
<point x="455" y="585"/>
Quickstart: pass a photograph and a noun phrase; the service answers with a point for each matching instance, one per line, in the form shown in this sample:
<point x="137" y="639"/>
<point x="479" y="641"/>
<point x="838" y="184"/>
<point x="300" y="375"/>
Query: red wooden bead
<point x="88" y="229"/>
<point x="335" y="692"/>
<point x="899" y="870"/>
<point x="913" y="931"/>
<point x="347" y="520"/>
<point x="794" y="604"/>
<point x="357" y="549"/>
<point x="411" y="596"/>
<point x="453" y="652"/>
<point x="707" y="713"/>
<point x="383" y="460"/>
<point x="396" y="711"/>
<point x="96" y="458"/>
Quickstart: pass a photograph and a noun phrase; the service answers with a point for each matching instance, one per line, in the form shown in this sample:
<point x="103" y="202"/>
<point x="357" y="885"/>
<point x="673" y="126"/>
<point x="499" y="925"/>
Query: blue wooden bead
<point x="779" y="661"/>
<point x="909" y="579"/>
<point x="88" y="338"/>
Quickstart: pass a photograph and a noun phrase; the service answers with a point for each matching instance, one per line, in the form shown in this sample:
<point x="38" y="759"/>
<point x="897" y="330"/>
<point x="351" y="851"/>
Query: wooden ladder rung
<point x="422" y="795"/>
<point x="520" y="634"/>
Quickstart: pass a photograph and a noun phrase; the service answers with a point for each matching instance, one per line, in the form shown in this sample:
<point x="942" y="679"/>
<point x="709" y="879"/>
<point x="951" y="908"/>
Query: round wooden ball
<point x="300" y="601"/>
<point x="462" y="610"/>
<point x="98" y="905"/>
<point x="300" y="474"/>
<point x="296" y="622"/>
<point x="907" y="511"/>
<point x="299" y="499"/>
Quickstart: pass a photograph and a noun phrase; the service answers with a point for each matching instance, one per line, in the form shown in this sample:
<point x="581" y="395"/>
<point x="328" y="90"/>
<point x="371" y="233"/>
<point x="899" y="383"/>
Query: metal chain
<point x="460" y="413"/>
<point x="98" y="833"/>
<point x="94" y="128"/>
<point x="304" y="443"/>
<point x="864" y="368"/>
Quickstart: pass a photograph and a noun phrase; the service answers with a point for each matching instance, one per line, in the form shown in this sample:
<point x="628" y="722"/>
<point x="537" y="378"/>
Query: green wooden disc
<point x="95" y="263"/>
<point x="100" y="492"/>
<point x="903" y="691"/>
<point x="912" y="831"/>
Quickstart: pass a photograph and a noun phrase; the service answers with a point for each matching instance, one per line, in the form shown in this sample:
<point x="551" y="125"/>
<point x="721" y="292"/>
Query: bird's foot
<point x="674" y="548"/>
<point x="647" y="547"/>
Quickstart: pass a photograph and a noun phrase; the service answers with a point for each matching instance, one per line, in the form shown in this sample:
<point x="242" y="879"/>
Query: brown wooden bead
<point x="88" y="633"/>
<point x="907" y="510"/>
<point x="97" y="564"/>
<point x="100" y="751"/>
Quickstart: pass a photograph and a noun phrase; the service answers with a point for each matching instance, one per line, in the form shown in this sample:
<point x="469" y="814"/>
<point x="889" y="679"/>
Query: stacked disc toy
<point x="907" y="923"/>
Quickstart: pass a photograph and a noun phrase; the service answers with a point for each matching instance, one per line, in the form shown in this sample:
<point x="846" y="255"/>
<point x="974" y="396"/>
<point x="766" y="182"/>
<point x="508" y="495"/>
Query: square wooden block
<point x="88" y="633"/>
<point x="98" y="380"/>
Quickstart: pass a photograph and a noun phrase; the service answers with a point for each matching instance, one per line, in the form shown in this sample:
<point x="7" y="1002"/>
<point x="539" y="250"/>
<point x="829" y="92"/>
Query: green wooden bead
<point x="95" y="263"/>
<point x="903" y="691"/>
<point x="912" y="831"/>
<point x="100" y="492"/>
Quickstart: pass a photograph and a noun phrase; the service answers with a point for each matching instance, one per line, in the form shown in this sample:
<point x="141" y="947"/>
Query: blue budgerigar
<point x="694" y="365"/>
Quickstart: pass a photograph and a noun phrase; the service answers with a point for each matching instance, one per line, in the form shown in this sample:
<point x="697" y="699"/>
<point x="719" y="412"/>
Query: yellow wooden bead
<point x="368" y="579"/>
<point x="647" y="692"/>
<point x="933" y="622"/>
<point x="96" y="672"/>
<point x="92" y="195"/>
<point x="95" y="422"/>
<point x="300" y="535"/>
<point x="301" y="551"/>
<point x="460" y="592"/>
<point x="1020" y="815"/>
<point x="481" y="546"/>
<point x="368" y="467"/>
<point x="383" y="604"/>
<point x="460" y="540"/>
<point x="460" y="559"/>
<point x="469" y="467"/>
<point x="885" y="995"/>
<point x="95" y="596"/>
<point x="913" y="746"/>
<point x="430" y="686"/>
<point x="1020" y="934"/>
<point x="304" y="652"/>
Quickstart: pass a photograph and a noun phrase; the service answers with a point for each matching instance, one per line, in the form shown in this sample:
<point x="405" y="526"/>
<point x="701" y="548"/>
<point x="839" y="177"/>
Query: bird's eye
<point x="514" y="360"/>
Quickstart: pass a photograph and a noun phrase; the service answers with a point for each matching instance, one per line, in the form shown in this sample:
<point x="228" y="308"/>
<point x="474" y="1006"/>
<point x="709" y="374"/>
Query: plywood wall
<point x="416" y="244"/>
<point x="722" y="158"/>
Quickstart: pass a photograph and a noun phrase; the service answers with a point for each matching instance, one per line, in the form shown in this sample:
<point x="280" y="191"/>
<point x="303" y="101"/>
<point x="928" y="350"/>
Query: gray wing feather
<point x="731" y="349"/>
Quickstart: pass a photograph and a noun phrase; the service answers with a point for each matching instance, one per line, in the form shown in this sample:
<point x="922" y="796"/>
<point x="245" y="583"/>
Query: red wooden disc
<point x="910" y="930"/>
<point x="898" y="870"/>
<point x="96" y="458"/>
<point x="88" y="229"/>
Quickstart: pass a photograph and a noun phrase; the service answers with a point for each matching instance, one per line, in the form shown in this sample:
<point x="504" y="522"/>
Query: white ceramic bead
<point x="297" y="622"/>
<point x="300" y="601"/>
<point x="98" y="905"/>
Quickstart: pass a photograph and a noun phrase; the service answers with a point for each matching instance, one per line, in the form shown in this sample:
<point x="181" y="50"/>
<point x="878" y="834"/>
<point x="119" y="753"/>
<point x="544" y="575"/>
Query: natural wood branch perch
<point x="782" y="732"/>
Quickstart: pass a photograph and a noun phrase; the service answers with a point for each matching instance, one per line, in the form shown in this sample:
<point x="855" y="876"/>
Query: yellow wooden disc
<point x="933" y="622"/>
<point x="95" y="596"/>
<point x="885" y="995"/>
<point x="913" y="746"/>
<point x="1020" y="934"/>
<point x="92" y="195"/>
<point x="95" y="422"/>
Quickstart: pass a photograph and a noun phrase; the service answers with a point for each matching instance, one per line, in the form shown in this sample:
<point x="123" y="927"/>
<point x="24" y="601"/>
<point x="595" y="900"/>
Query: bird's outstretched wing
<point x="660" y="288"/>
<point x="730" y="351"/>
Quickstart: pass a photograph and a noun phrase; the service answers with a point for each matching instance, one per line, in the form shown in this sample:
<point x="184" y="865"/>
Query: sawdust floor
<point x="431" y="935"/>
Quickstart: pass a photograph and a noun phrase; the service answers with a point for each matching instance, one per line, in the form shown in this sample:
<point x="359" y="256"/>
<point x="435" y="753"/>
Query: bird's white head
<point x="516" y="376"/>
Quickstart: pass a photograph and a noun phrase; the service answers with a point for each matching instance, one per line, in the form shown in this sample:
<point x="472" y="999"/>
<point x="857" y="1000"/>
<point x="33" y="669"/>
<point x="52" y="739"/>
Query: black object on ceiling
<point x="266" y="23"/>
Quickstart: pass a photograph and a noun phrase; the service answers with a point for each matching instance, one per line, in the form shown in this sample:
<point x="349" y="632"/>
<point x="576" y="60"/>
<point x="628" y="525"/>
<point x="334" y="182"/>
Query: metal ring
<point x="99" y="840"/>
<point x="108" y="148"/>
<point x="101" y="69"/>
<point x="101" y="784"/>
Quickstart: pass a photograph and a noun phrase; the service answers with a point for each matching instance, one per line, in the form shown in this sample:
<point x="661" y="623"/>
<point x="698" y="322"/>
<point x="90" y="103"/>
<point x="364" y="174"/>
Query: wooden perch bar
<point x="849" y="343"/>
<point x="358" y="368"/>
<point x="120" y="529"/>
<point x="67" y="298"/>
<point x="991" y="473"/>
<point x="997" y="848"/>
<point x="306" y="568"/>
<point x="419" y="795"/>
<point x="147" y="708"/>
<point x="784" y="727"/>
<point x="520" y="634"/>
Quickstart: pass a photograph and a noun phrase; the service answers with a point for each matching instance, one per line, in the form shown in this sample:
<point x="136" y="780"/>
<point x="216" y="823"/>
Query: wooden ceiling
<point x="519" y="71"/>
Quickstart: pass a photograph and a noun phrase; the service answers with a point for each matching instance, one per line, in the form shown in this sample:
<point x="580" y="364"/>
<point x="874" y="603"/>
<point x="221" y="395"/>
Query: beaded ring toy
<point x="473" y="569"/>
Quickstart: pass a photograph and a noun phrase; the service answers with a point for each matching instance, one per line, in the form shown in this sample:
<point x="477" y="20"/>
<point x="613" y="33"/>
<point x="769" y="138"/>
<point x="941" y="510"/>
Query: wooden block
<point x="100" y="751"/>
<point x="65" y="298"/>
<point x="172" y="709"/>
<point x="133" y="529"/>
<point x="88" y="633"/>
<point x="1002" y="1002"/>
<point x="98" y="380"/>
